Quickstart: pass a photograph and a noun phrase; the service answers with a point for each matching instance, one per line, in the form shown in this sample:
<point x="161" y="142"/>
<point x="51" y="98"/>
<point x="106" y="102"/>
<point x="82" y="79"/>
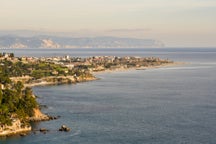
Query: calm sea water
<point x="175" y="105"/>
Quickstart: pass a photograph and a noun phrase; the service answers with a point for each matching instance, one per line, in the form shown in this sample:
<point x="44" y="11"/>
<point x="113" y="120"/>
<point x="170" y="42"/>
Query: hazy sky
<point x="175" y="22"/>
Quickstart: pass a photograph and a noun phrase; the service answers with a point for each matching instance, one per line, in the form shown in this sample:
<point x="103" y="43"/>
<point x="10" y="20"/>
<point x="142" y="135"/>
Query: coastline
<point x="140" y="68"/>
<point x="53" y="80"/>
<point x="39" y="116"/>
<point x="16" y="128"/>
<point x="86" y="79"/>
<point x="20" y="131"/>
<point x="46" y="83"/>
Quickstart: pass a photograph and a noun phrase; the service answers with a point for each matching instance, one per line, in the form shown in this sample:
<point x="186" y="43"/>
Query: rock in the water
<point x="54" y="117"/>
<point x="23" y="134"/>
<point x="43" y="130"/>
<point x="64" y="128"/>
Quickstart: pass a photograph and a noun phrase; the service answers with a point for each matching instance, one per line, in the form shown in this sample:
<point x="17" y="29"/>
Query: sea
<point x="169" y="105"/>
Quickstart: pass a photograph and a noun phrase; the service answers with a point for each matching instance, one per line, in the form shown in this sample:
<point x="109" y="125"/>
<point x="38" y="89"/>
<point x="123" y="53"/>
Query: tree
<point x="11" y="55"/>
<point x="19" y="86"/>
<point x="4" y="79"/>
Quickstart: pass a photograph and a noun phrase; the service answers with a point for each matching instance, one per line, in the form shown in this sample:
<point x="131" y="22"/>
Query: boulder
<point x="64" y="128"/>
<point x="43" y="130"/>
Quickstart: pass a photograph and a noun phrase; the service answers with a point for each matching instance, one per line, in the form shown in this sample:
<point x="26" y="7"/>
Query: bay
<point x="158" y="106"/>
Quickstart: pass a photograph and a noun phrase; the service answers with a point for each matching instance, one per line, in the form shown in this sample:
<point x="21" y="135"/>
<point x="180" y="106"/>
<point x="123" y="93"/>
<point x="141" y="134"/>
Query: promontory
<point x="18" y="104"/>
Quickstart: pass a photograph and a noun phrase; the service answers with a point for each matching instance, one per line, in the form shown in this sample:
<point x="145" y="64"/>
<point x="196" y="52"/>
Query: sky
<point x="177" y="23"/>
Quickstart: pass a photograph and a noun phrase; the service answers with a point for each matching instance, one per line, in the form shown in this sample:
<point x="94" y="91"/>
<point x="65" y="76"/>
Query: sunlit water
<point x="174" y="105"/>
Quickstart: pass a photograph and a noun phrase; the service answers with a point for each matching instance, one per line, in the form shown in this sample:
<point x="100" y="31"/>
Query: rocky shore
<point x="17" y="127"/>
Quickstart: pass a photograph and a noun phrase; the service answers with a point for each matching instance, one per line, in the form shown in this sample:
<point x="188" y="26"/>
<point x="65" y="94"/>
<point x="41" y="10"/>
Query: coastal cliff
<point x="15" y="128"/>
<point x="38" y="116"/>
<point x="19" y="127"/>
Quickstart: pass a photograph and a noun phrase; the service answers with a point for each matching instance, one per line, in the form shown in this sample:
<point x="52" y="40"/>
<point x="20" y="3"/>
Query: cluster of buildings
<point x="94" y="63"/>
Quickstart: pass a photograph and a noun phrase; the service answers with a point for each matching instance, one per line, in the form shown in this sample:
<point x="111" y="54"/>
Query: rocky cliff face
<point x="39" y="116"/>
<point x="16" y="128"/>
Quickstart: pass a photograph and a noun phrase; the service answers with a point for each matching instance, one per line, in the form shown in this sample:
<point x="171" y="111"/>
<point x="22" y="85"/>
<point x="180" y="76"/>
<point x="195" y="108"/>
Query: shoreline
<point x="21" y="132"/>
<point x="16" y="128"/>
<point x="140" y="68"/>
<point x="52" y="80"/>
<point x="87" y="79"/>
<point x="45" y="83"/>
<point x="42" y="117"/>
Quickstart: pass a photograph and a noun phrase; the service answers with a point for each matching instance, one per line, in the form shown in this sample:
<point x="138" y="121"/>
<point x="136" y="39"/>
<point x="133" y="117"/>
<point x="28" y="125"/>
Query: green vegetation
<point x="38" y="70"/>
<point x="15" y="101"/>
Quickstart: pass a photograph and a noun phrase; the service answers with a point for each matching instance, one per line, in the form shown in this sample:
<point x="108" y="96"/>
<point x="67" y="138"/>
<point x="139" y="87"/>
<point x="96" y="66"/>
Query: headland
<point x="18" y="105"/>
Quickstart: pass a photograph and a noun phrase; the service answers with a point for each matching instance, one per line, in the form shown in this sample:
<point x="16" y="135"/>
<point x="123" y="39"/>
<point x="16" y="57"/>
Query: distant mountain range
<point x="12" y="41"/>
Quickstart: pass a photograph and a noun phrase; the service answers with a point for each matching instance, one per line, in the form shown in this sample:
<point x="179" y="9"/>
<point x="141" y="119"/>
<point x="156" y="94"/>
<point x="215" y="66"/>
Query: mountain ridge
<point x="46" y="41"/>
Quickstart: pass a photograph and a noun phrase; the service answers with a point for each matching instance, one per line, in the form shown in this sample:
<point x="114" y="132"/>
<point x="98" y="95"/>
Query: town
<point x="92" y="64"/>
